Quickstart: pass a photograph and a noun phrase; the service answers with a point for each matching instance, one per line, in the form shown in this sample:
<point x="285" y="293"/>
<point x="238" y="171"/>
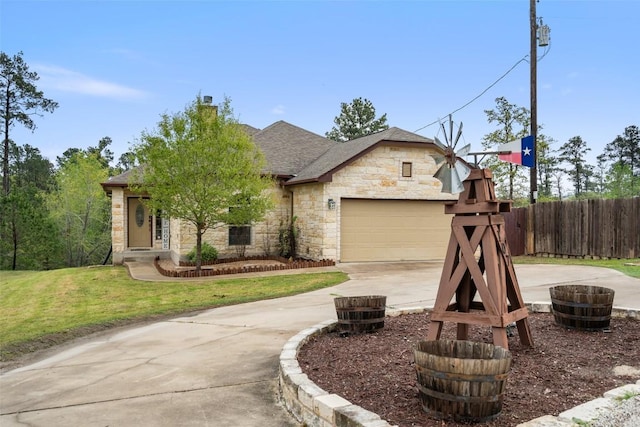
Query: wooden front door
<point x="139" y="222"/>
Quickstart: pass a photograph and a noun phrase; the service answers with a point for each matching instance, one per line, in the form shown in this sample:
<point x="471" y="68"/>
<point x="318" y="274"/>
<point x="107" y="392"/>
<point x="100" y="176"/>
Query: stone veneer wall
<point x="264" y="235"/>
<point x="376" y="175"/>
<point x="118" y="225"/>
<point x="313" y="219"/>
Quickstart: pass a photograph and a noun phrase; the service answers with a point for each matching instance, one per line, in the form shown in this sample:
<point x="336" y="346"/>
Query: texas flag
<point x="521" y="152"/>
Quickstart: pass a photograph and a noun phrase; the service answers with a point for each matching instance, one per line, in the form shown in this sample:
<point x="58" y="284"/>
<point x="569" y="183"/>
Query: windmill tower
<point x="478" y="285"/>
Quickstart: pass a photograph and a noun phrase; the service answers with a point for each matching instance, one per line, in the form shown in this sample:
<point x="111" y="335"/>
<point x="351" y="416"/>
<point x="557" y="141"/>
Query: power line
<point x="481" y="93"/>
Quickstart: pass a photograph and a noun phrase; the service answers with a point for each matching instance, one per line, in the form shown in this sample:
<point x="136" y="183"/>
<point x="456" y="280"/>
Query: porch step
<point x="145" y="255"/>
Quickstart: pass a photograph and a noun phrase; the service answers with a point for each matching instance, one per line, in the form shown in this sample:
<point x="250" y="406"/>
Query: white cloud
<point x="278" y="110"/>
<point x="71" y="81"/>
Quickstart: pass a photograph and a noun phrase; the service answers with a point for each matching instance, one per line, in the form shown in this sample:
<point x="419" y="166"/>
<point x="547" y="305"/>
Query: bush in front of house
<point x="208" y="253"/>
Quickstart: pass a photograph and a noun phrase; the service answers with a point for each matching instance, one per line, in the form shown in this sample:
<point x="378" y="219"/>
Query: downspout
<point x="291" y="220"/>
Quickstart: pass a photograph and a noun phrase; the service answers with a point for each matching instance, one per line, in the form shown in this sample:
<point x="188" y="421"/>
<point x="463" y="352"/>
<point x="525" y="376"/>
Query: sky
<point x="115" y="66"/>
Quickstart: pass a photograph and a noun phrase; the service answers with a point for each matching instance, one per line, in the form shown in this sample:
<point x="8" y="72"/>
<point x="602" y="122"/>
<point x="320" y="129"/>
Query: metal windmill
<point x="451" y="172"/>
<point x="478" y="259"/>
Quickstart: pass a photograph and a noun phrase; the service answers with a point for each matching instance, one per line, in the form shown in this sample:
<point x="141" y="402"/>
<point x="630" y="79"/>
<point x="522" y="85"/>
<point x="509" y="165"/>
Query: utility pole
<point x="533" y="60"/>
<point x="539" y="35"/>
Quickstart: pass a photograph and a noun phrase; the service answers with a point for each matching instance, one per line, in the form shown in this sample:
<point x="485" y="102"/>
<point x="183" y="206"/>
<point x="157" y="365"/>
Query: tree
<point x="20" y="101"/>
<point x="81" y="209"/>
<point x="624" y="152"/>
<point x="620" y="182"/>
<point x="600" y="173"/>
<point x="101" y="152"/>
<point x="546" y="165"/>
<point x="26" y="237"/>
<point x="30" y="168"/>
<point x="201" y="167"/>
<point x="127" y="161"/>
<point x="355" y="120"/>
<point x="28" y="233"/>
<point x="574" y="152"/>
<point x="513" y="123"/>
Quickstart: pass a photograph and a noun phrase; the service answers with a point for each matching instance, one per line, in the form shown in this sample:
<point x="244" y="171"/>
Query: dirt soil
<point x="565" y="368"/>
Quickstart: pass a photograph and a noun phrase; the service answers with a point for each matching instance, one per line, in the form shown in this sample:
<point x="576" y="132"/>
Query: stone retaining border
<point x="315" y="407"/>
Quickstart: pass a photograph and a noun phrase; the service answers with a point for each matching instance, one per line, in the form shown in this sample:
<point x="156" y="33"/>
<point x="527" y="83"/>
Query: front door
<point x="139" y="224"/>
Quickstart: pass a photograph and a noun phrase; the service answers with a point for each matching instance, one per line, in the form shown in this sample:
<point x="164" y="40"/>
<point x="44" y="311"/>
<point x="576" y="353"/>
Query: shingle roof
<point x="294" y="152"/>
<point x="289" y="149"/>
<point x="344" y="153"/>
<point x="250" y="130"/>
<point x="121" y="180"/>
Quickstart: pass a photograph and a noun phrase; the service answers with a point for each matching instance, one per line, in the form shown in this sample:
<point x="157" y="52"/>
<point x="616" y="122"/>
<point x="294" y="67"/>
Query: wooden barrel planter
<point x="582" y="307"/>
<point x="361" y="313"/>
<point x="461" y="380"/>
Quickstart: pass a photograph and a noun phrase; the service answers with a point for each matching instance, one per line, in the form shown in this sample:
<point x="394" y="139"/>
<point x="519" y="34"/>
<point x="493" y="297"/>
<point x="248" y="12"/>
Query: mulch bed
<point x="565" y="368"/>
<point x="239" y="265"/>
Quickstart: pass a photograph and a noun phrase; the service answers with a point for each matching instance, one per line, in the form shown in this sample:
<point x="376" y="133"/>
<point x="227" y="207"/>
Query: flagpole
<point x="534" y="102"/>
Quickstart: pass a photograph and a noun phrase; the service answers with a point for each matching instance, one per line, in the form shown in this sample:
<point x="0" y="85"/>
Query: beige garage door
<point x="393" y="230"/>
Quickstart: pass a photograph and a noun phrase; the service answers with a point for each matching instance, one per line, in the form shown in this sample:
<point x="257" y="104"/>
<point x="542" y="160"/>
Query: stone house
<point x="370" y="199"/>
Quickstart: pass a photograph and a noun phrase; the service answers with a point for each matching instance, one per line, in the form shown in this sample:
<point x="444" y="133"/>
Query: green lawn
<point x="45" y="308"/>
<point x="630" y="267"/>
<point x="39" y="309"/>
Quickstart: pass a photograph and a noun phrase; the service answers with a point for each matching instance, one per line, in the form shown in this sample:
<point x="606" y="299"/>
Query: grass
<point x="630" y="267"/>
<point x="627" y="395"/>
<point x="43" y="308"/>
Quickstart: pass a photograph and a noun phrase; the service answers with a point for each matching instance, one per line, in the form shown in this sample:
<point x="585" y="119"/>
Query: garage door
<point x="393" y="230"/>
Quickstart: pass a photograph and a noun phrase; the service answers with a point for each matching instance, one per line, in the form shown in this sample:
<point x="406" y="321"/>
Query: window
<point x="239" y="235"/>
<point x="406" y="169"/>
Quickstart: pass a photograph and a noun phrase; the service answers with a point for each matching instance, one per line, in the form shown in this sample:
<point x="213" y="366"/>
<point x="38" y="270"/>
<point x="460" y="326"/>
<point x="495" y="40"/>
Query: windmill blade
<point x="456" y="181"/>
<point x="450" y="179"/>
<point x="458" y="136"/>
<point x="439" y="159"/>
<point x="464" y="151"/>
<point x="439" y="143"/>
<point x="444" y="176"/>
<point x="451" y="144"/>
<point x="463" y="171"/>
<point x="444" y="132"/>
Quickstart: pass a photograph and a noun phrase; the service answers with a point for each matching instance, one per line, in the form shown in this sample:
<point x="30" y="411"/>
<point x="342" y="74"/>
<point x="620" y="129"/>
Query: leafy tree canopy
<point x="356" y="119"/>
<point x="573" y="153"/>
<point x="81" y="210"/>
<point x="20" y="100"/>
<point x="101" y="152"/>
<point x="512" y="122"/>
<point x="200" y="166"/>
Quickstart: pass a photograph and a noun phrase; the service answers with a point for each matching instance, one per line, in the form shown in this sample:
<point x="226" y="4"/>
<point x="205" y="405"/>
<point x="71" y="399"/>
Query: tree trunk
<point x="511" y="173"/>
<point x="198" y="250"/>
<point x="14" y="234"/>
<point x="5" y="157"/>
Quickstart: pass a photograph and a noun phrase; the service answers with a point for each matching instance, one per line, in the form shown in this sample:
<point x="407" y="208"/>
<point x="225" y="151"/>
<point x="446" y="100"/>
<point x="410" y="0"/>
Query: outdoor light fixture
<point x="331" y="204"/>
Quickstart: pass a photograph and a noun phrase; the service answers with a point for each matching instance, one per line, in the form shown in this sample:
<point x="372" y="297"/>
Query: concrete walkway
<point x="219" y="367"/>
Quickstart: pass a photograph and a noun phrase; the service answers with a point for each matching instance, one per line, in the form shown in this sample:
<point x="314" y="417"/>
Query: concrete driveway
<point x="219" y="367"/>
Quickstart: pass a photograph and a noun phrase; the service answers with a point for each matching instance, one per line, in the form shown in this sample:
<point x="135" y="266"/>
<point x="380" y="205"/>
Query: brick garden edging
<point x="286" y="265"/>
<point x="313" y="406"/>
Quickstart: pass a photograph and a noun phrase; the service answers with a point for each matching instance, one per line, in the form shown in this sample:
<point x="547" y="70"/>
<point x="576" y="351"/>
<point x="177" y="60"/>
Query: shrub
<point x="287" y="238"/>
<point x="208" y="253"/>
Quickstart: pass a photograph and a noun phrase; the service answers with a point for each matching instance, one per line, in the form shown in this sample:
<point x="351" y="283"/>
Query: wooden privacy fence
<point x="606" y="228"/>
